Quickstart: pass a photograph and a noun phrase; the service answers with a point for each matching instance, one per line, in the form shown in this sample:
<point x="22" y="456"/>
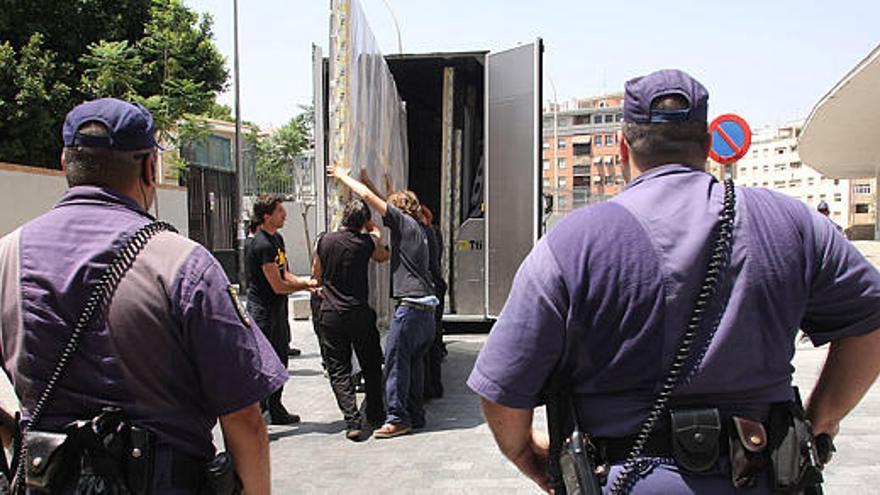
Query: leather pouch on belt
<point x="47" y="464"/>
<point x="695" y="437"/>
<point x="748" y="443"/>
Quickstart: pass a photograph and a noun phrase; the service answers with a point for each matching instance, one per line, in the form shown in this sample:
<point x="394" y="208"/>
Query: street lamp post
<point x="555" y="186"/>
<point x="239" y="166"/>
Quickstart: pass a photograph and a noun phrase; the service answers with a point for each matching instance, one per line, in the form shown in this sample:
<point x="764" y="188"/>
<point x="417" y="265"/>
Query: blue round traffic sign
<point x="731" y="138"/>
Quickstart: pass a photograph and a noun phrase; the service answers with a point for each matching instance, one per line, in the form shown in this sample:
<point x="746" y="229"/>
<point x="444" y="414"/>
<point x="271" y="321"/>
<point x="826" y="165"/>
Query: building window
<point x="779" y="167"/>
<point x="609" y="118"/>
<point x="862" y="208"/>
<point x="862" y="189"/>
<point x="619" y="117"/>
<point x="617" y="159"/>
<point x="602" y="104"/>
<point x="562" y="181"/>
<point x="795" y="164"/>
<point x="562" y="203"/>
<point x="743" y="170"/>
<point x="809" y="198"/>
<point x="810" y="181"/>
<point x="609" y="139"/>
<point x="838" y="197"/>
<point x="836" y="182"/>
<point x="780" y="151"/>
<point x="779" y="184"/>
<point x="561" y="143"/>
<point x="618" y="179"/>
<point x="546" y="145"/>
<point x="766" y="168"/>
<point x="794" y="183"/>
<point x="545" y="164"/>
<point x="597" y="119"/>
<point x="560" y="163"/>
<point x="546" y="183"/>
<point x="822" y="197"/>
<point x="609" y="180"/>
<point x="597" y="140"/>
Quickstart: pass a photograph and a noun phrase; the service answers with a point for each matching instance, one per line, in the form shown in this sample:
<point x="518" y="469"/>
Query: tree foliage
<point x="55" y="54"/>
<point x="277" y="157"/>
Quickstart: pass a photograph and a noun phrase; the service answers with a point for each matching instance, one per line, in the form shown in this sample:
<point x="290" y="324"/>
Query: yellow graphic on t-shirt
<point x="281" y="259"/>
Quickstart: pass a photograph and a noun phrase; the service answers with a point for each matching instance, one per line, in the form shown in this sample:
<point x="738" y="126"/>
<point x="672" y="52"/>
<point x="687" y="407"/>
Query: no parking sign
<point x="731" y="138"/>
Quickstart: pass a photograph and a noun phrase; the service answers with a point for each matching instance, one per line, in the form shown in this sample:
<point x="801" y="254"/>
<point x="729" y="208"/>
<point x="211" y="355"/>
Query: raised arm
<point x="359" y="188"/>
<point x="380" y="252"/>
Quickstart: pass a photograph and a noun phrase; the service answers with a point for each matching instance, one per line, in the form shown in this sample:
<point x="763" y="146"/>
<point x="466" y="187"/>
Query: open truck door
<point x="513" y="171"/>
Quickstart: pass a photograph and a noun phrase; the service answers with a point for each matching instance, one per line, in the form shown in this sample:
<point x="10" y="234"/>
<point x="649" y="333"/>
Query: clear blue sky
<point x="769" y="61"/>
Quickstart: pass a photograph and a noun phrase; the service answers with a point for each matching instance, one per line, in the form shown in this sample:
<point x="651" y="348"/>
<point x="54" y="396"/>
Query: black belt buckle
<point x="695" y="438"/>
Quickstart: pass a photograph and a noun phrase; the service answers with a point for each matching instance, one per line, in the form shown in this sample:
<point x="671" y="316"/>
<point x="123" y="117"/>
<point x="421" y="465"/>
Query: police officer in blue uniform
<point x="173" y="352"/>
<point x="602" y="301"/>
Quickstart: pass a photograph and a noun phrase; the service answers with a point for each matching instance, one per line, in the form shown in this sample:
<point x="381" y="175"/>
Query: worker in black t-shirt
<point x="269" y="283"/>
<point x="346" y="319"/>
<point x="411" y="331"/>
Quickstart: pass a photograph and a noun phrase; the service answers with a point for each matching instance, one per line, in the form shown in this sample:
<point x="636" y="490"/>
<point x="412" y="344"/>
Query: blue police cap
<point x="130" y="124"/>
<point x="642" y="91"/>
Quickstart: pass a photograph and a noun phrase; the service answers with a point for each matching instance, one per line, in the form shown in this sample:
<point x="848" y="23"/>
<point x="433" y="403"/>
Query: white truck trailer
<point x="461" y="130"/>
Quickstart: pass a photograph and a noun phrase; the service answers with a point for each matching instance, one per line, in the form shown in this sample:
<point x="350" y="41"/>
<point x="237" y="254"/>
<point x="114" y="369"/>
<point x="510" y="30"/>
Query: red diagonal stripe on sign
<point x="730" y="142"/>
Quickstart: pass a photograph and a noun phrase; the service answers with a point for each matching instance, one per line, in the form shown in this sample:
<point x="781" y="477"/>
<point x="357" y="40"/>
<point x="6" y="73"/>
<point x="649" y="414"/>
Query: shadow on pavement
<point x="459" y="408"/>
<point x="306" y="427"/>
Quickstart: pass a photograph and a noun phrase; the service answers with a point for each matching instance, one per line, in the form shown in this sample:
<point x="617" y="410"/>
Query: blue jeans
<point x="409" y="338"/>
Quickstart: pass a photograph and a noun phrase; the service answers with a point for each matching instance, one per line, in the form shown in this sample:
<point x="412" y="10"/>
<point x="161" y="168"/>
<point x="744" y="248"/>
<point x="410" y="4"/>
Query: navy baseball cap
<point x="130" y="124"/>
<point x="642" y="91"/>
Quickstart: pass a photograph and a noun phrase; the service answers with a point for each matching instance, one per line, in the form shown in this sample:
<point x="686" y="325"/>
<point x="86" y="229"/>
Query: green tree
<point x="157" y="52"/>
<point x="112" y="68"/>
<point x="277" y="156"/>
<point x="31" y="96"/>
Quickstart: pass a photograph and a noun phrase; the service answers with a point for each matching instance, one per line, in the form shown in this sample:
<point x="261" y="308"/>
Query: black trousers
<point x="272" y="320"/>
<point x="434" y="358"/>
<point x="340" y="332"/>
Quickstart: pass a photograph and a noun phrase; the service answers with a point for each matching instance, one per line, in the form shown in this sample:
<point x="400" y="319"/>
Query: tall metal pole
<point x="239" y="166"/>
<point x="555" y="185"/>
<point x="396" y="26"/>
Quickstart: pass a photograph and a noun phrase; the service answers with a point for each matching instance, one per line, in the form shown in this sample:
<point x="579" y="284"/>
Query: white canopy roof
<point x="842" y="135"/>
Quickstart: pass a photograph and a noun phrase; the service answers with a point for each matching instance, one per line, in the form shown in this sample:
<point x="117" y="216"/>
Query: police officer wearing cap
<point x="602" y="301"/>
<point x="174" y="351"/>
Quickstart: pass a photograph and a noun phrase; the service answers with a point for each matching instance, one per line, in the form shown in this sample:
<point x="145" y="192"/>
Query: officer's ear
<point x="624" y="148"/>
<point x="148" y="169"/>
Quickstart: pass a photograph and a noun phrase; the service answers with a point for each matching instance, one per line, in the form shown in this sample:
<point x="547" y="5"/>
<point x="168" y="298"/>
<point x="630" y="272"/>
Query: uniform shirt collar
<point x="661" y="171"/>
<point x="79" y="195"/>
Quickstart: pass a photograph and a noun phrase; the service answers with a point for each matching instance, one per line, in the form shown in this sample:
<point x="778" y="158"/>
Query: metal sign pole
<point x="239" y="166"/>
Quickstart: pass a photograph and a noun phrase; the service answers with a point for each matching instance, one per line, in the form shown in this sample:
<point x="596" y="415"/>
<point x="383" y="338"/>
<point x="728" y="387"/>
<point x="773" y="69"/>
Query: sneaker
<point x="284" y="418"/>
<point x="391" y="430"/>
<point x="353" y="434"/>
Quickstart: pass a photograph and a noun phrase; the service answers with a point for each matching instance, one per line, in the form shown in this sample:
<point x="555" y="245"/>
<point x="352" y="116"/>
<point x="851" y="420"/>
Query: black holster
<point x="793" y="453"/>
<point x="221" y="478"/>
<point x="573" y="458"/>
<point x="105" y="455"/>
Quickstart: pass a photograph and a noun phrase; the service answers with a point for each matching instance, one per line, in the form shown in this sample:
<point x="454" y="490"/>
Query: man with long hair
<point x="412" y="326"/>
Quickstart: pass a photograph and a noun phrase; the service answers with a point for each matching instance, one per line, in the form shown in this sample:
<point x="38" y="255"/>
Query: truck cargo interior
<point x="420" y="83"/>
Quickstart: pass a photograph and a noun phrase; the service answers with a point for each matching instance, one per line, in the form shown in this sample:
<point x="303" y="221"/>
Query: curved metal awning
<point x="841" y="138"/>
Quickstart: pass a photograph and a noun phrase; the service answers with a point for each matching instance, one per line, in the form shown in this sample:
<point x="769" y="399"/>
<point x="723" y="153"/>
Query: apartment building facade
<point x="581" y="156"/>
<point x="773" y="162"/>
